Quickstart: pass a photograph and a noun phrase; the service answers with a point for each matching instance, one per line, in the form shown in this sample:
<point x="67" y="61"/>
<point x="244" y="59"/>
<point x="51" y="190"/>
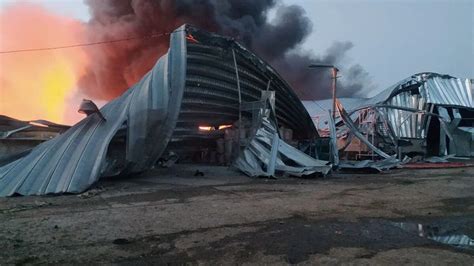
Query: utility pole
<point x="333" y="147"/>
<point x="334" y="71"/>
<point x="334" y="85"/>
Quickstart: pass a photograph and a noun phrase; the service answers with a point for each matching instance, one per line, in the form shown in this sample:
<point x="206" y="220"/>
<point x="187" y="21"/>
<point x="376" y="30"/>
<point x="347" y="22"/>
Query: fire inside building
<point x="210" y="100"/>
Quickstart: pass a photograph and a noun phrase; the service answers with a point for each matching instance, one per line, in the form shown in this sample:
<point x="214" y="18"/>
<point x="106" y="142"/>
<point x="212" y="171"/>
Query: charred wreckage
<point x="427" y="115"/>
<point x="210" y="100"/>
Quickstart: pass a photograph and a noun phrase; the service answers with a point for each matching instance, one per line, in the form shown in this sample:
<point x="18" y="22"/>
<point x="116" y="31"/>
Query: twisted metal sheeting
<point x="433" y="89"/>
<point x="420" y="92"/>
<point x="268" y="155"/>
<point x="448" y="91"/>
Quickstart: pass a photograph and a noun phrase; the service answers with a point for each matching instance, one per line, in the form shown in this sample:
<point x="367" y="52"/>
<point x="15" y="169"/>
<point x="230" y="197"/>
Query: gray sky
<point x="392" y="39"/>
<point x="395" y="39"/>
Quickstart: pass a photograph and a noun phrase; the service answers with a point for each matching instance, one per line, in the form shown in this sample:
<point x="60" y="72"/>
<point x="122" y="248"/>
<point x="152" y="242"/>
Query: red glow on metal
<point x="191" y="38"/>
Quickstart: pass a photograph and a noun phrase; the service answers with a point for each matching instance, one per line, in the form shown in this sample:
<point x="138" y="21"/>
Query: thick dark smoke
<point x="116" y="66"/>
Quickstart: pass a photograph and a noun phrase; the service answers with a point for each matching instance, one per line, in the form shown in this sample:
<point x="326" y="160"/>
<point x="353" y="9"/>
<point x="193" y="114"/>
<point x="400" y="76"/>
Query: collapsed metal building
<point x="207" y="100"/>
<point x="210" y="100"/>
<point x="425" y="115"/>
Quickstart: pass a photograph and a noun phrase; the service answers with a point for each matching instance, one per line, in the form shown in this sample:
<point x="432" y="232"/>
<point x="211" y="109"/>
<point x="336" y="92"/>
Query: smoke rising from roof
<point x="117" y="66"/>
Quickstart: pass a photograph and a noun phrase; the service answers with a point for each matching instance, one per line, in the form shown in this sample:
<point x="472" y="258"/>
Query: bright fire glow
<point x="205" y="128"/>
<point x="224" y="127"/>
<point x="42" y="84"/>
<point x="208" y="128"/>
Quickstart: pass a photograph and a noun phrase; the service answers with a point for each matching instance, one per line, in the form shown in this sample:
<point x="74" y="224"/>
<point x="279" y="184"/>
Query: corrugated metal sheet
<point x="268" y="155"/>
<point x="211" y="94"/>
<point x="407" y="124"/>
<point x="350" y="124"/>
<point x="434" y="88"/>
<point x="421" y="92"/>
<point x="446" y="90"/>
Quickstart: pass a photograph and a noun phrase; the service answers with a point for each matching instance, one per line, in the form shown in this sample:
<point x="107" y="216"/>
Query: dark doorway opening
<point x="433" y="137"/>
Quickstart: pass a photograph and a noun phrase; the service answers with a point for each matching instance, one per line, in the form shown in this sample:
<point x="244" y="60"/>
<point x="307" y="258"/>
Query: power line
<point x="84" y="44"/>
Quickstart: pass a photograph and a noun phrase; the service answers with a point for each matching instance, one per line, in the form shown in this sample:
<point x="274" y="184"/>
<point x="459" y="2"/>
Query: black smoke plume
<point x="117" y="66"/>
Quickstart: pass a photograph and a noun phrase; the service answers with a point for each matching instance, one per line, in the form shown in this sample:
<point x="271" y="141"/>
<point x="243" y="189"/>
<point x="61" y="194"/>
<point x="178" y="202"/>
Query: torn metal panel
<point x="18" y="138"/>
<point x="333" y="134"/>
<point x="463" y="142"/>
<point x="348" y="122"/>
<point x="459" y="141"/>
<point x="88" y="107"/>
<point x="407" y="124"/>
<point x="449" y="91"/>
<point x="268" y="155"/>
<point x="434" y="89"/>
<point x="11" y="128"/>
<point x="256" y="159"/>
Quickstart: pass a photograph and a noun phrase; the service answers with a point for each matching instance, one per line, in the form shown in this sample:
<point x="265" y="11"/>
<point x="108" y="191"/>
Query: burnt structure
<point x="427" y="114"/>
<point x="206" y="89"/>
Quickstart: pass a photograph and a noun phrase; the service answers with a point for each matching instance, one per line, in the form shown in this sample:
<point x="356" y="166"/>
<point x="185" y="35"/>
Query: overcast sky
<point x="392" y="39"/>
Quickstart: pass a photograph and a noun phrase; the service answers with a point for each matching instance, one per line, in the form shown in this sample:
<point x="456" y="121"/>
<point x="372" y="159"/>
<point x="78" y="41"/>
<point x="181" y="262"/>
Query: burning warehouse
<point x="207" y="100"/>
<point x="222" y="132"/>
<point x="210" y="100"/>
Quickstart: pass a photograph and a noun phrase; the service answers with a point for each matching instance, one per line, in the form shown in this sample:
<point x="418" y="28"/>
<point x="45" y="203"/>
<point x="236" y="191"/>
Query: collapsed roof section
<point x="430" y="88"/>
<point x="204" y="79"/>
<point x="17" y="137"/>
<point x="412" y="117"/>
<point x="267" y="154"/>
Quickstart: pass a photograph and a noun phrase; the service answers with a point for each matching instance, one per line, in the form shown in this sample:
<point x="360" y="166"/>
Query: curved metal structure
<point x="416" y="92"/>
<point x="202" y="80"/>
<point x="416" y="115"/>
<point x="220" y="75"/>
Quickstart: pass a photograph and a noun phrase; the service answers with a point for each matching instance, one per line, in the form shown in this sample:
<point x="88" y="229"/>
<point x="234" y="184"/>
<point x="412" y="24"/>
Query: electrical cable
<point x="85" y="44"/>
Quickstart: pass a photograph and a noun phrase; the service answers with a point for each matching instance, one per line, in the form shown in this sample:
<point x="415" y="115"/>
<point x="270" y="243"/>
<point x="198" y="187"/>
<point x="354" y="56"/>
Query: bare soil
<point x="168" y="216"/>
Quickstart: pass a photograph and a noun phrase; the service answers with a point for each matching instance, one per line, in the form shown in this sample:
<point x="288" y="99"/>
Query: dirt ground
<point x="172" y="217"/>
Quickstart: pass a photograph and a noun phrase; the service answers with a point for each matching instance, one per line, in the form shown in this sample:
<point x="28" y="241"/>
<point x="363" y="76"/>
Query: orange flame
<point x="208" y="128"/>
<point x="205" y="128"/>
<point x="224" y="126"/>
<point x="41" y="84"/>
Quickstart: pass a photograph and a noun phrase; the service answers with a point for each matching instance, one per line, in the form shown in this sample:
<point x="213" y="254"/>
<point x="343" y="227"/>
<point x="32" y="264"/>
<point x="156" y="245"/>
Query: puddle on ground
<point x="449" y="236"/>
